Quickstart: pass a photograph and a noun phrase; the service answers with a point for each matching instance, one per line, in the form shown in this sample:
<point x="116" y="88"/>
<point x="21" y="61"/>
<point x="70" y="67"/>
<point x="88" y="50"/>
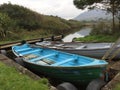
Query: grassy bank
<point x="102" y="32"/>
<point x="11" y="79"/>
<point x="97" y="38"/>
<point x="26" y="35"/>
<point x="117" y="87"/>
<point x="23" y="35"/>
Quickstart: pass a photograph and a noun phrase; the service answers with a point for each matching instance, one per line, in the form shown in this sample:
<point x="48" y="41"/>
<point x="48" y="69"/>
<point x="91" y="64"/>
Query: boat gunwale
<point x="71" y="49"/>
<point x="83" y="49"/>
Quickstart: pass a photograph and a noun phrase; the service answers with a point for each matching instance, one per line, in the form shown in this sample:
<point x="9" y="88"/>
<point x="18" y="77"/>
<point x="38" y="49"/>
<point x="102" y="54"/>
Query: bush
<point x="101" y="28"/>
<point x="6" y="23"/>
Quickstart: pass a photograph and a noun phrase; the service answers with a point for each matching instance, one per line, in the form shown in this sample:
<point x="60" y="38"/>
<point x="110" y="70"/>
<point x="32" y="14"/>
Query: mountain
<point x="93" y="15"/>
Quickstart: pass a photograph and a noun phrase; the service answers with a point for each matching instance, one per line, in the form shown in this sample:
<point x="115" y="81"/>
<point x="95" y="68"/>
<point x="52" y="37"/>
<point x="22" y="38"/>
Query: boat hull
<point x="81" y="75"/>
<point x="60" y="65"/>
<point x="94" y="53"/>
<point x="95" y="50"/>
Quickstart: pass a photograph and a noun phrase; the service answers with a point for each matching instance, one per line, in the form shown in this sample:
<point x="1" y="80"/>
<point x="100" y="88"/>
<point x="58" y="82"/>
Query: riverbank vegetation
<point x="97" y="38"/>
<point x="117" y="87"/>
<point x="11" y="79"/>
<point x="18" y="23"/>
<point x="101" y="32"/>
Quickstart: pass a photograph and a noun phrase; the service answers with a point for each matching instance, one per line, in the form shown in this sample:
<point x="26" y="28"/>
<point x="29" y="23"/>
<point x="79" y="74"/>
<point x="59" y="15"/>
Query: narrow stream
<point x="82" y="33"/>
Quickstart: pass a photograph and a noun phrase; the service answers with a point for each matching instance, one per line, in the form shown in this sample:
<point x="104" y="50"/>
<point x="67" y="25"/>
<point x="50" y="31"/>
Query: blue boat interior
<point x="45" y="56"/>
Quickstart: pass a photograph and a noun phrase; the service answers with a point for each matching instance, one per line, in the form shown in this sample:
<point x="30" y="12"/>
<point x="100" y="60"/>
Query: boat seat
<point x="23" y="49"/>
<point x="42" y="57"/>
<point x="42" y="63"/>
<point x="62" y="62"/>
<point x="24" y="53"/>
<point x="45" y="62"/>
<point x="29" y="56"/>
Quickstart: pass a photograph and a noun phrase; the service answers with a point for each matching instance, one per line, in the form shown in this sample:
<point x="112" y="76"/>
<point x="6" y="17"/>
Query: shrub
<point x="101" y="28"/>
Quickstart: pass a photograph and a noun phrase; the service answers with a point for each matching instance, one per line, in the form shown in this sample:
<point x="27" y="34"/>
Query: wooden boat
<point x="60" y="65"/>
<point x="95" y="50"/>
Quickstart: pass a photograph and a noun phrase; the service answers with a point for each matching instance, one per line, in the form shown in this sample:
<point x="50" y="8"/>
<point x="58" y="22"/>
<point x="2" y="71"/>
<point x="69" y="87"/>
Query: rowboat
<point x="60" y="65"/>
<point x="94" y="50"/>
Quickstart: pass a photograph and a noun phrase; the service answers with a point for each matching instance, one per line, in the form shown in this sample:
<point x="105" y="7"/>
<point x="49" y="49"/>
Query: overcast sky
<point x="62" y="8"/>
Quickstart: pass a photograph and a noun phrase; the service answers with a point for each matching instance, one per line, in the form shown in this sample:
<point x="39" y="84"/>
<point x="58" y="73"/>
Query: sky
<point x="61" y="8"/>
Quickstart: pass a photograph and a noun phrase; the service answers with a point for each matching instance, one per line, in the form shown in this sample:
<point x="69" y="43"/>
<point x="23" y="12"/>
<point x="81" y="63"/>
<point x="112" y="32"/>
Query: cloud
<point x="62" y="8"/>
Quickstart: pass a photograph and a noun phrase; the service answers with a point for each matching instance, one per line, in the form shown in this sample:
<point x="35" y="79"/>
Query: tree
<point x="117" y="11"/>
<point x="24" y="17"/>
<point x="5" y="24"/>
<point x="118" y="16"/>
<point x="112" y="6"/>
<point x="82" y="4"/>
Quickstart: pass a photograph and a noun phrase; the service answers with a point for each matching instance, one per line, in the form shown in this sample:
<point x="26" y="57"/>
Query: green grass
<point x="11" y="79"/>
<point x="117" y="87"/>
<point x="25" y="35"/>
<point x="97" y="38"/>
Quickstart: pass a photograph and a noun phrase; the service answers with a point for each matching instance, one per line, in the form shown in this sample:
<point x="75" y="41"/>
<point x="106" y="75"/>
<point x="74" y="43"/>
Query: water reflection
<point x="82" y="33"/>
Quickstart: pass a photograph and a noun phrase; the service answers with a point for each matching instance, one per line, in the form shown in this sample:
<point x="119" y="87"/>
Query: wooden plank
<point x="8" y="45"/>
<point x="107" y="55"/>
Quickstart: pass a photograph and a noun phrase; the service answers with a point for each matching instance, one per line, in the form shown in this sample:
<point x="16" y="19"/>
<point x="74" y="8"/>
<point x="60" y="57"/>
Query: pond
<point x="82" y="33"/>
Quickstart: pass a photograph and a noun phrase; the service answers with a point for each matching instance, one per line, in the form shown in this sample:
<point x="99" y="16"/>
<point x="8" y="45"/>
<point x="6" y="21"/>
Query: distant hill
<point x="24" y="18"/>
<point x="93" y="15"/>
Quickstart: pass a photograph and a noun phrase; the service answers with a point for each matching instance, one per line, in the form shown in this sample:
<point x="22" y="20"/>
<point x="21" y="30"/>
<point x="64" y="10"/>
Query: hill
<point x="27" y="19"/>
<point x="94" y="15"/>
<point x="18" y="19"/>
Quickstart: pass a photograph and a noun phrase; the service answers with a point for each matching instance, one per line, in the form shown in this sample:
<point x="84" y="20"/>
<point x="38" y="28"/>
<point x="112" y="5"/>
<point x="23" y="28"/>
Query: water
<point x="82" y="33"/>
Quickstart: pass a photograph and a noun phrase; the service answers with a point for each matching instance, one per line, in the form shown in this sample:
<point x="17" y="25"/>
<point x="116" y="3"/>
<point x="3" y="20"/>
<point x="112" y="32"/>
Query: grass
<point x="117" y="87"/>
<point x="25" y="35"/>
<point x="97" y="38"/>
<point x="11" y="79"/>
